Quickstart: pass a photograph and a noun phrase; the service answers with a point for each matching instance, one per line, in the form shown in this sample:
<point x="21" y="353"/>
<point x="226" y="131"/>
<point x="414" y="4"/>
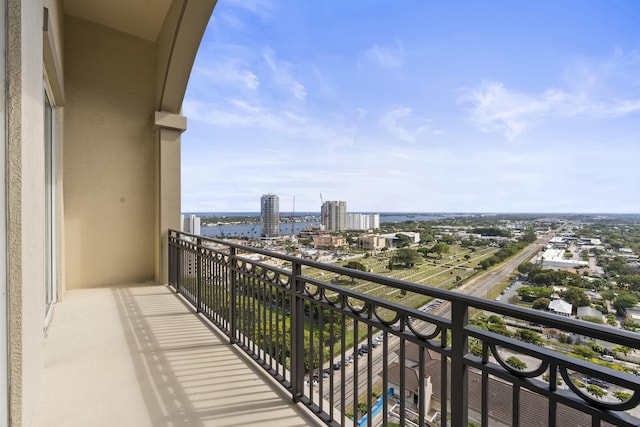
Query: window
<point x="50" y="237"/>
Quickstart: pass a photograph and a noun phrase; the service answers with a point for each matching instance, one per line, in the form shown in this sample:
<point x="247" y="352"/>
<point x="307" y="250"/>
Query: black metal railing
<point x="352" y="357"/>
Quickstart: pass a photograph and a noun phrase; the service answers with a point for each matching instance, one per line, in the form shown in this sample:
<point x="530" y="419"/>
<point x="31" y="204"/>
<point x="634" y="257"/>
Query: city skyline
<point x="492" y="107"/>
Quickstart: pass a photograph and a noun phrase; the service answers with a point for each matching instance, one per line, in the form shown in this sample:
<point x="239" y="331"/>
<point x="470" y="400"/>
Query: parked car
<point x="599" y="383"/>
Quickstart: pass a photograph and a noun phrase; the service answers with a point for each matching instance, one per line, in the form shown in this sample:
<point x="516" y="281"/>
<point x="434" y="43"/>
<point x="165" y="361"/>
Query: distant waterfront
<point x="302" y="221"/>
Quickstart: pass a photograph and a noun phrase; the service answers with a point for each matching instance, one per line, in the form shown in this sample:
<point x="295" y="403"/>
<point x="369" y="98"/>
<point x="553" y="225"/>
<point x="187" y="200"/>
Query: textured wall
<point x="109" y="156"/>
<point x="25" y="173"/>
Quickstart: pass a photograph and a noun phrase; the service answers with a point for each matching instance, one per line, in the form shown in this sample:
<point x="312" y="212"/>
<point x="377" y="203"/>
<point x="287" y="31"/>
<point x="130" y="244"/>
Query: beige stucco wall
<point x="115" y="192"/>
<point x="110" y="157"/>
<point x="25" y="203"/>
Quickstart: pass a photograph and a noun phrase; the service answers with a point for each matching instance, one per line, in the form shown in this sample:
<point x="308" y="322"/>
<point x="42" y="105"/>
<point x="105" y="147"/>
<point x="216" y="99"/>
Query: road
<point x="478" y="286"/>
<point x="481" y="284"/>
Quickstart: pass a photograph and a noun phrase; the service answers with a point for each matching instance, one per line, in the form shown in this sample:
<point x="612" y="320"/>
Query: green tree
<point x="623" y="301"/>
<point x="527" y="267"/>
<point x="596" y="391"/>
<point x="440" y="249"/>
<point x="584" y="351"/>
<point x="407" y="257"/>
<point x="621" y="349"/>
<point x="527" y="335"/>
<point x="575" y="296"/>
<point x="493" y="323"/>
<point x="516" y="363"/>
<point x="541" y="304"/>
<point x="529" y="236"/>
<point x="621" y="395"/>
<point x="403" y="240"/>
<point x="355" y="265"/>
<point x="532" y="293"/>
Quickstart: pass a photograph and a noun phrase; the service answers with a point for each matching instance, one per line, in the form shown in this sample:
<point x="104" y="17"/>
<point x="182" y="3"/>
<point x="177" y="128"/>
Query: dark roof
<point x="412" y="353"/>
<point x="534" y="408"/>
<point x="411" y="377"/>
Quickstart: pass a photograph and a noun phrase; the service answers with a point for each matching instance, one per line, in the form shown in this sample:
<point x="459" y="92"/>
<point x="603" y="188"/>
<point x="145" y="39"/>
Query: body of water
<point x="303" y="220"/>
<point x="251" y="231"/>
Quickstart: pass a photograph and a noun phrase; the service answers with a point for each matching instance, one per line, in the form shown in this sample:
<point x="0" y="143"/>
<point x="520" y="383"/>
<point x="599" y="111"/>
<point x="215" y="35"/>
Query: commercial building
<point x="359" y="221"/>
<point x="334" y="215"/>
<point x="555" y="259"/>
<point x="371" y="242"/>
<point x="392" y="238"/>
<point x="270" y="216"/>
<point x="329" y="241"/>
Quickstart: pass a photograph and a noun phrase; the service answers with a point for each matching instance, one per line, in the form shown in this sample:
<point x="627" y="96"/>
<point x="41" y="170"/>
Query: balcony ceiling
<point x="141" y="18"/>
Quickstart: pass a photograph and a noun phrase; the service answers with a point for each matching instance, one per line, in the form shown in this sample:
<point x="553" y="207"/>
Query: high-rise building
<point x="334" y="215"/>
<point x="270" y="215"/>
<point x="191" y="224"/>
<point x="359" y="221"/>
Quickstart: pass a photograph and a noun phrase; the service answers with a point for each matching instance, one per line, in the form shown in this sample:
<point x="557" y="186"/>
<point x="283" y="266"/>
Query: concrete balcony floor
<point x="139" y="356"/>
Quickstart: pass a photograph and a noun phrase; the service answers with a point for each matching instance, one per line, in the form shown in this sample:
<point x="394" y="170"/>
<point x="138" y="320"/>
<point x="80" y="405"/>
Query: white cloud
<point x="495" y="108"/>
<point x="282" y="75"/>
<point x="261" y="8"/>
<point x="230" y="72"/>
<point x="385" y="56"/>
<point x="403" y="124"/>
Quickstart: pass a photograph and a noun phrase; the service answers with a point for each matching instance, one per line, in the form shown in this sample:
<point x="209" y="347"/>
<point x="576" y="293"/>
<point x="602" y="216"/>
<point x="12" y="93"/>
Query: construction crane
<point x="323" y="214"/>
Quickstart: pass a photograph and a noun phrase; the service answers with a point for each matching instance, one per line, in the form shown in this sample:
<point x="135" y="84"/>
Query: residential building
<point x="501" y="395"/>
<point x="359" y="221"/>
<point x="334" y="215"/>
<point x="270" y="216"/>
<point x="191" y="224"/>
<point x="588" y="312"/>
<point x="560" y="307"/>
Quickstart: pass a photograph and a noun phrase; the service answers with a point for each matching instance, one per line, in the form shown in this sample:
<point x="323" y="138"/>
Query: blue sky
<point x="421" y="106"/>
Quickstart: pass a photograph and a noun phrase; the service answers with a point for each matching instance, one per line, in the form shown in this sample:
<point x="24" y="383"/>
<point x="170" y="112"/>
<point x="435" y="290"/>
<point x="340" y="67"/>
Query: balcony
<point x="276" y="342"/>
<point x="138" y="356"/>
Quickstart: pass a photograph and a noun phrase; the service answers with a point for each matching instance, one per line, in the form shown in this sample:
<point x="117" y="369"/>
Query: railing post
<point x="171" y="255"/>
<point x="199" y="275"/>
<point x="233" y="279"/>
<point x="297" y="331"/>
<point x="459" y="371"/>
<point x="179" y="255"/>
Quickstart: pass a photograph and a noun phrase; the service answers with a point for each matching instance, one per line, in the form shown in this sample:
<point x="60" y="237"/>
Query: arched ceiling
<point x="141" y="18"/>
<point x="176" y="26"/>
